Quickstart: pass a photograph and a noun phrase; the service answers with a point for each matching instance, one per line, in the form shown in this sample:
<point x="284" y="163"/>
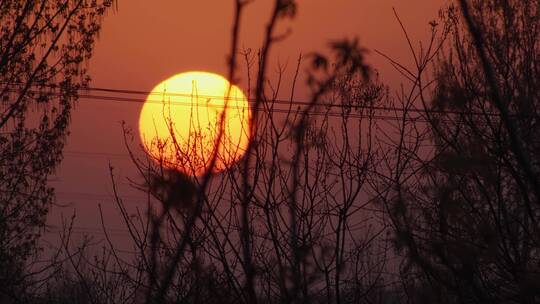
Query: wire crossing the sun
<point x="165" y="96"/>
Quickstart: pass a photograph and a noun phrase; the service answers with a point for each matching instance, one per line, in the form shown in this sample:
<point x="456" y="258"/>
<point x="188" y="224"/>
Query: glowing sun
<point x="180" y="122"/>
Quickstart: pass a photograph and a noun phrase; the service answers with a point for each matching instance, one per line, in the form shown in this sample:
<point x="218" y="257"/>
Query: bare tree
<point x="288" y="223"/>
<point x="338" y="255"/>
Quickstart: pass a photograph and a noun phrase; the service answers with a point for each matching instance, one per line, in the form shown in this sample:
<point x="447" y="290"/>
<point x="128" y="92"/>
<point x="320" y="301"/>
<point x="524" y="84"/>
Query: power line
<point x="164" y="95"/>
<point x="289" y="102"/>
<point x="283" y="111"/>
<point x="418" y="118"/>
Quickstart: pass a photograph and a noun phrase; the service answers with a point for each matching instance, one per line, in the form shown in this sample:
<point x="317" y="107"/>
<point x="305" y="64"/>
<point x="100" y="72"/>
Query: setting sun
<point x="180" y="124"/>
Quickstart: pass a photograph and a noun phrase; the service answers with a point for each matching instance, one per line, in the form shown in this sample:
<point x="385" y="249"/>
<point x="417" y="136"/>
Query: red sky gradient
<point x="145" y="42"/>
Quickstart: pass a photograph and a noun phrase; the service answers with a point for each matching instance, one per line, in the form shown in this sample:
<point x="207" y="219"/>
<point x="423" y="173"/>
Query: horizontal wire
<point x="387" y="117"/>
<point x="253" y="100"/>
<point x="283" y="111"/>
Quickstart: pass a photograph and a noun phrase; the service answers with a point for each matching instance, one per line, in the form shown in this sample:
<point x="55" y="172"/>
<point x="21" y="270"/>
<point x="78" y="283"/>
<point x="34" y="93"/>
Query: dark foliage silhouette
<point x="466" y="213"/>
<point x="44" y="46"/>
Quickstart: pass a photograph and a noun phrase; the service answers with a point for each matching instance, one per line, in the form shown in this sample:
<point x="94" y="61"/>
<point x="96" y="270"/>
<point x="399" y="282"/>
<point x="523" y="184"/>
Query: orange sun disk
<point x="180" y="123"/>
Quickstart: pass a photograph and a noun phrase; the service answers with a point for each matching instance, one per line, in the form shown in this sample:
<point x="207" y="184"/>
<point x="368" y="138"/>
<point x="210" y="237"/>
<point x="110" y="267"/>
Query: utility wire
<point x="83" y="93"/>
<point x="351" y="114"/>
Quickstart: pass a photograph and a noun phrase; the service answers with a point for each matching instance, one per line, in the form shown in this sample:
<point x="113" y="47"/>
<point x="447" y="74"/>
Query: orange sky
<point x="145" y="42"/>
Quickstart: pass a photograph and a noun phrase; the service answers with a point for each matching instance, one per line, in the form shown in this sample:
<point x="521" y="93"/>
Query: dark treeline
<point x="357" y="195"/>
